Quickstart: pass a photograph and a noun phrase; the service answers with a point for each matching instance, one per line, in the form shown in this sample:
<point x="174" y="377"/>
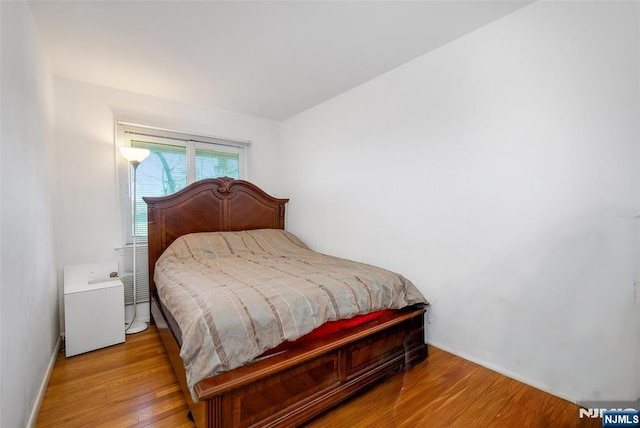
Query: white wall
<point x="89" y="220"/>
<point x="28" y="312"/>
<point x="499" y="173"/>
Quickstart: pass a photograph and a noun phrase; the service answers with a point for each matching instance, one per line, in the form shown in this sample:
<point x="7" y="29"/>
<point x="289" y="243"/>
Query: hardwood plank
<point x="130" y="384"/>
<point x="133" y="385"/>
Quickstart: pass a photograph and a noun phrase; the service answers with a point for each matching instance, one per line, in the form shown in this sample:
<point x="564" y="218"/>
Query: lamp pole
<point x="134" y="156"/>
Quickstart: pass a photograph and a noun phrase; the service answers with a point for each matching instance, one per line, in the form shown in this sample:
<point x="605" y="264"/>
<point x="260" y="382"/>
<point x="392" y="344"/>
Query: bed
<point x="282" y="387"/>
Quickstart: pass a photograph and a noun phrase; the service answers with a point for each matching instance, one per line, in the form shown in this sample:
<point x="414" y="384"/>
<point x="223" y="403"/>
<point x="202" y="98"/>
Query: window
<point x="175" y="160"/>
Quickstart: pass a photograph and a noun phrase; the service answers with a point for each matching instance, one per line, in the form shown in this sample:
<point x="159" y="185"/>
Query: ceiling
<point x="270" y="59"/>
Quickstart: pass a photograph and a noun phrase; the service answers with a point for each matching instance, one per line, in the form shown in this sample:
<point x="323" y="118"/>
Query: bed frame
<point x="294" y="386"/>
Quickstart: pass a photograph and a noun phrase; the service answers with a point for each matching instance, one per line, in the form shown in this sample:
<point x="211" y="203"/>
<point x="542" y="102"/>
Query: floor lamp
<point x="134" y="156"/>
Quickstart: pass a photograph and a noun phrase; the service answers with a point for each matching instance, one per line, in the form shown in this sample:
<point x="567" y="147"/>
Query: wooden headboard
<point x="210" y="205"/>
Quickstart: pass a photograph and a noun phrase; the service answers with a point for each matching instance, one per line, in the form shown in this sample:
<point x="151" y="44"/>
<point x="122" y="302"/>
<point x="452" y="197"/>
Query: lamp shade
<point x="134" y="154"/>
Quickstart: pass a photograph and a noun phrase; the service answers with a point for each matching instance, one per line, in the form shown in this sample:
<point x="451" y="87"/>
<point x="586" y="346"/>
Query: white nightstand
<point x="93" y="307"/>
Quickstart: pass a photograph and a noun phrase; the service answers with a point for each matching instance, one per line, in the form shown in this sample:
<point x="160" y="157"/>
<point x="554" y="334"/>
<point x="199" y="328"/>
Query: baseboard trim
<point x="43" y="386"/>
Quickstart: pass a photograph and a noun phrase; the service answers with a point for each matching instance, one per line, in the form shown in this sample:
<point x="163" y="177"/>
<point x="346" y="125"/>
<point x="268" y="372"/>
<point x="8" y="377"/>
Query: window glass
<point x="213" y="164"/>
<point x="165" y="170"/>
<point x="162" y="173"/>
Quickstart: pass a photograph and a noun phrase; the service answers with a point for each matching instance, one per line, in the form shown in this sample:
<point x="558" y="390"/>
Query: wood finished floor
<point x="133" y="385"/>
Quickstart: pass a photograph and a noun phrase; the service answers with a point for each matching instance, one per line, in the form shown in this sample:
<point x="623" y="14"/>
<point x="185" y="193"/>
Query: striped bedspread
<point x="235" y="295"/>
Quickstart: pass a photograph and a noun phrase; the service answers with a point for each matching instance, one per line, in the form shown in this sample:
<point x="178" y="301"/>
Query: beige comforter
<point x="236" y="294"/>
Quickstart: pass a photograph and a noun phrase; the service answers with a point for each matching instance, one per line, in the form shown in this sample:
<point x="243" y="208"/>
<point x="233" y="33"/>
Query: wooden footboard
<point x="294" y="386"/>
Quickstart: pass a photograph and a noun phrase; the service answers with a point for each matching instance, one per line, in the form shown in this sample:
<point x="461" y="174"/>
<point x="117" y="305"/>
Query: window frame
<point x="126" y="132"/>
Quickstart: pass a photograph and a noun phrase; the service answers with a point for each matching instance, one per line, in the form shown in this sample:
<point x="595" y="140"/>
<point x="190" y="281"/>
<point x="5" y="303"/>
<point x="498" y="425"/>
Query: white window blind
<point x="176" y="159"/>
